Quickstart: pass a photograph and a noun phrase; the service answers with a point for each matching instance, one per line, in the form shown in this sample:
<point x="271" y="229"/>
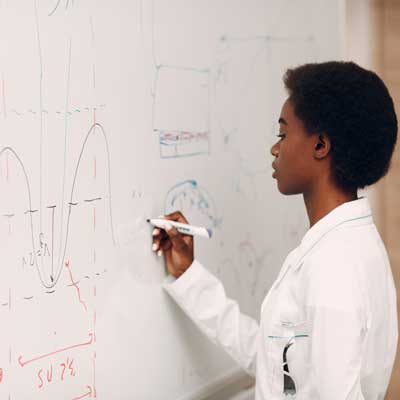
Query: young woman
<point x="328" y="326"/>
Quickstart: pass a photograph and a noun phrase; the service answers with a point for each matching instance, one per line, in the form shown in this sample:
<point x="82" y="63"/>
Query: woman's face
<point x="295" y="164"/>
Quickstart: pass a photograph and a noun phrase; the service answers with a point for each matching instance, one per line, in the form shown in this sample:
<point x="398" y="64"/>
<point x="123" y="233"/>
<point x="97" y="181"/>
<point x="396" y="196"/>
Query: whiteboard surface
<point x="114" y="112"/>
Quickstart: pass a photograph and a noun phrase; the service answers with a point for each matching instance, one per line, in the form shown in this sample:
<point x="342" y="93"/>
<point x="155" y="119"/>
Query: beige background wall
<point x="372" y="39"/>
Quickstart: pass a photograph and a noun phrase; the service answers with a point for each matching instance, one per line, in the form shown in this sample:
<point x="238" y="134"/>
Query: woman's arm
<point x="202" y="297"/>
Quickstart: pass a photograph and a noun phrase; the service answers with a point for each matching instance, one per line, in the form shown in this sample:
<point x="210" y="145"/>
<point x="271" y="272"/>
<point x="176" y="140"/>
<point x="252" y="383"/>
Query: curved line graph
<point x="71" y="202"/>
<point x="5" y="151"/>
<point x="56" y="6"/>
<point x="9" y="150"/>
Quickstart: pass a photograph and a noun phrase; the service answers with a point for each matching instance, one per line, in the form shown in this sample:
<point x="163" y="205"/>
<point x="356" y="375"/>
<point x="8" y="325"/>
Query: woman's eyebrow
<point x="282" y="121"/>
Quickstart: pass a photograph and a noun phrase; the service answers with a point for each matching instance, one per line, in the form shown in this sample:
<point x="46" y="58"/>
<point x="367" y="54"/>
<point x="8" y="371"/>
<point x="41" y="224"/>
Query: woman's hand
<point x="177" y="248"/>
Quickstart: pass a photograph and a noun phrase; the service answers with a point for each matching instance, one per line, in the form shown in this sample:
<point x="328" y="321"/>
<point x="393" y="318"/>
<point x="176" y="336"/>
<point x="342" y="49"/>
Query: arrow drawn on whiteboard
<point x="87" y="394"/>
<point x="74" y="346"/>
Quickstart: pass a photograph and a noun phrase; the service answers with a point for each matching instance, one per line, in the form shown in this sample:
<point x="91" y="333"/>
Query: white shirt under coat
<point x="334" y="300"/>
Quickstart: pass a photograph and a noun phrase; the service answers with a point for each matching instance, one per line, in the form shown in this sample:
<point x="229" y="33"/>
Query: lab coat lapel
<point x="286" y="265"/>
<point x="349" y="211"/>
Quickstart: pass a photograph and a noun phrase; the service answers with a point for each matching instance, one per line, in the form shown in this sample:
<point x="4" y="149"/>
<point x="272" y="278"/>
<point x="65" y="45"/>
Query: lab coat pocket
<point x="288" y="348"/>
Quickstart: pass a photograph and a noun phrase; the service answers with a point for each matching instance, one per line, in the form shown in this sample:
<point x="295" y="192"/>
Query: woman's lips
<point x="274" y="172"/>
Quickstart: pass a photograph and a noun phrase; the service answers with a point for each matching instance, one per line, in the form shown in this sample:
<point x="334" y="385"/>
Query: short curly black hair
<point x="353" y="107"/>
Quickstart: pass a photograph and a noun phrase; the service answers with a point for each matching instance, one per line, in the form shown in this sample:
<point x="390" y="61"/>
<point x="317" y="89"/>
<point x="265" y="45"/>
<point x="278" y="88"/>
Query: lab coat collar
<point x="349" y="211"/>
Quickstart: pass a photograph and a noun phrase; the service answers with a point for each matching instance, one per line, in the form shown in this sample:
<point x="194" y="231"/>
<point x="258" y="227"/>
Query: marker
<point x="182" y="228"/>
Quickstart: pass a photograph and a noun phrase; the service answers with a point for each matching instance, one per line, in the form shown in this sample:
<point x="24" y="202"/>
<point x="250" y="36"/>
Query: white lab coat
<point x="334" y="297"/>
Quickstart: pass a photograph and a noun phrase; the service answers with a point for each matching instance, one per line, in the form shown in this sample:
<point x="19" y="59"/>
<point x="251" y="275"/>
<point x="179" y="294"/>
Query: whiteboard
<point x="114" y="112"/>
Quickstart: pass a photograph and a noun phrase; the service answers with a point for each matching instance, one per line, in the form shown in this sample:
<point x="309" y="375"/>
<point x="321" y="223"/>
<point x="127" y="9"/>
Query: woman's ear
<point x="323" y="146"/>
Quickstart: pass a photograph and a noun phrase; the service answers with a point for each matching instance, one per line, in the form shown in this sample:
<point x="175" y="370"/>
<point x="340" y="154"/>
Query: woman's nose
<point x="274" y="150"/>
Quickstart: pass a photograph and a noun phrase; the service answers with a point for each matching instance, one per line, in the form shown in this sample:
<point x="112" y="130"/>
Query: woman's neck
<point x="323" y="198"/>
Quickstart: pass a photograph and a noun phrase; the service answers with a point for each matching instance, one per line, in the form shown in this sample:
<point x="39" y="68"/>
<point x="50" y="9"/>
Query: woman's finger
<point x="176" y="216"/>
<point x="161" y="242"/>
<point x="156" y="243"/>
<point x="176" y="238"/>
<point x="165" y="244"/>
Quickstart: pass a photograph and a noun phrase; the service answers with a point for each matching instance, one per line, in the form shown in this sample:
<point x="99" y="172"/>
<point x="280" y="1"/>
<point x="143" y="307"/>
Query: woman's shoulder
<point x="334" y="271"/>
<point x="345" y="246"/>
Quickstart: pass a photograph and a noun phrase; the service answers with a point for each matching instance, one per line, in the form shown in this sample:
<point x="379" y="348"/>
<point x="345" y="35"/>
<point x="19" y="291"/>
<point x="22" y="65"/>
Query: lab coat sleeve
<point x="202" y="297"/>
<point x="337" y="333"/>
